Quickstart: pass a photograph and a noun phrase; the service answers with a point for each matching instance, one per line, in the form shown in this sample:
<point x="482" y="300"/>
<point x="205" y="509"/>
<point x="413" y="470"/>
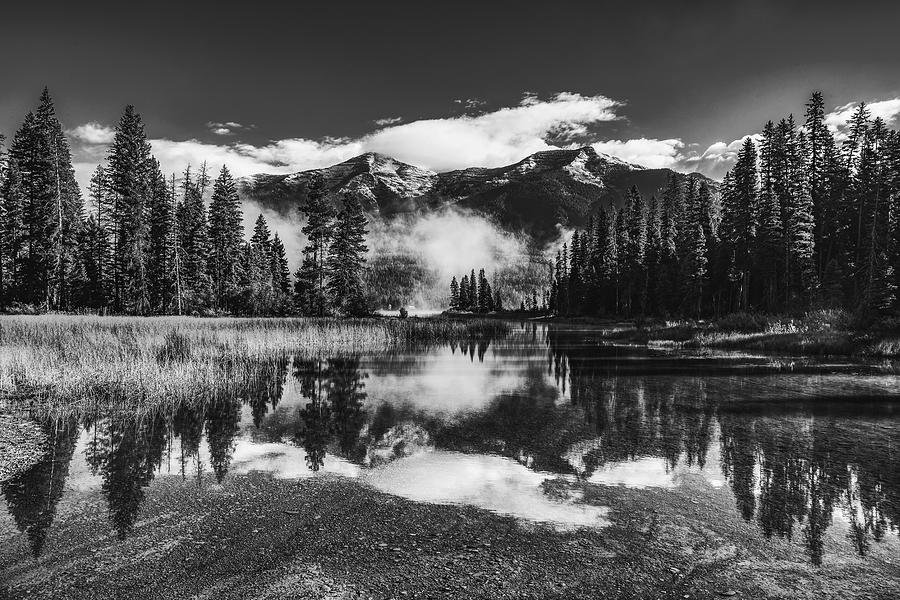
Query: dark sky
<point x="699" y="71"/>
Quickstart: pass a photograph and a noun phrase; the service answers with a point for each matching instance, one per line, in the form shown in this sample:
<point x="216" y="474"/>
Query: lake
<point x="552" y="427"/>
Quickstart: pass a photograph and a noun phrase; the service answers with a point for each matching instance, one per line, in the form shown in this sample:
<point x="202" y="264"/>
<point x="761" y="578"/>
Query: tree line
<point x="150" y="244"/>
<point x="474" y="294"/>
<point x="806" y="218"/>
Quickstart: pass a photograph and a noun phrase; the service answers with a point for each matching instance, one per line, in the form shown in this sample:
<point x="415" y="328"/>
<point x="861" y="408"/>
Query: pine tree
<point x="769" y="242"/>
<point x="281" y="275"/>
<point x="485" y="297"/>
<point x="226" y="238"/>
<point x="193" y="244"/>
<point x="52" y="210"/>
<point x="102" y="202"/>
<point x="160" y="258"/>
<point x="740" y="219"/>
<point x="310" y="292"/>
<point x="820" y="171"/>
<point x="636" y="225"/>
<point x="695" y="265"/>
<point x="12" y="232"/>
<point x="128" y="172"/>
<point x="454" y="294"/>
<point x="91" y="244"/>
<point x="347" y="259"/>
<point x="262" y="237"/>
<point x="465" y="302"/>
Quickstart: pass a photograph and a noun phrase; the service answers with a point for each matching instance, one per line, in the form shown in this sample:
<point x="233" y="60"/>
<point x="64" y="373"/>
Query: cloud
<point x="717" y="159"/>
<point x="387" y="121"/>
<point x="494" y="138"/>
<point x="227" y="128"/>
<point x="651" y="153"/>
<point x="489" y="139"/>
<point x="93" y="133"/>
<point x="887" y="110"/>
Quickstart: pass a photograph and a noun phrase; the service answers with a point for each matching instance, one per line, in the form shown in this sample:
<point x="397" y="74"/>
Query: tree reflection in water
<point x="578" y="407"/>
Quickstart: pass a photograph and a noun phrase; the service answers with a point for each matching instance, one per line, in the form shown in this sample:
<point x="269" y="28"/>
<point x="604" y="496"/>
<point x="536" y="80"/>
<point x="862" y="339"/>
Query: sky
<point x="279" y="87"/>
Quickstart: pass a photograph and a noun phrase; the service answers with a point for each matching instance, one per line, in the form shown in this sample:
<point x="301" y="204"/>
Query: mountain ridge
<point x="535" y="195"/>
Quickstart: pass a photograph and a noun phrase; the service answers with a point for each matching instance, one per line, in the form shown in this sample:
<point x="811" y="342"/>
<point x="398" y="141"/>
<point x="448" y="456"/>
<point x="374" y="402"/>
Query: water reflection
<point x="802" y="446"/>
<point x="32" y="497"/>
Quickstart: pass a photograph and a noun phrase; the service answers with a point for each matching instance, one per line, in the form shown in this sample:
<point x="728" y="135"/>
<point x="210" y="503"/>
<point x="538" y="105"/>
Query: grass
<point x="820" y="332"/>
<point x="78" y="359"/>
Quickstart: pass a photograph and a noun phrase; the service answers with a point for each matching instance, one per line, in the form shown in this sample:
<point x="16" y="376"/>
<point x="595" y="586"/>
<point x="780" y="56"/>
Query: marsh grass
<point x="819" y="332"/>
<point x="70" y="359"/>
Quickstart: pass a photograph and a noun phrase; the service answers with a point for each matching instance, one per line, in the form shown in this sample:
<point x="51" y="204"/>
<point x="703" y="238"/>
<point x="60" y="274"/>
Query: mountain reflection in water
<point x="799" y="443"/>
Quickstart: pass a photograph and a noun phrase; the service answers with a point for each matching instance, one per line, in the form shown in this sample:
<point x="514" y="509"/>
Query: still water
<point x="802" y="446"/>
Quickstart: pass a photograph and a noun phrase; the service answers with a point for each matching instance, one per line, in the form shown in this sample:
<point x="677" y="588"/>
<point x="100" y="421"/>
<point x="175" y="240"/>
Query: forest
<point x="806" y="218"/>
<point x="149" y="244"/>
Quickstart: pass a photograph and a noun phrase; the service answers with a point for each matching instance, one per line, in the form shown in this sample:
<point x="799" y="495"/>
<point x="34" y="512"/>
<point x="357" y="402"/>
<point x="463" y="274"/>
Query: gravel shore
<point x="22" y="443"/>
<point x="332" y="537"/>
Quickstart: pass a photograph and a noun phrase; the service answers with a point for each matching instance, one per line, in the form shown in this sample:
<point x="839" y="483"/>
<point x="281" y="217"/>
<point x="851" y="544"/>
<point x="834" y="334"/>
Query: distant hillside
<point x="532" y="196"/>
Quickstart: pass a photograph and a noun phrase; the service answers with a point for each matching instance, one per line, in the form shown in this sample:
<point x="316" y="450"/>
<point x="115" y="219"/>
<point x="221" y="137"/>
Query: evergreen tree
<point x="160" y="258"/>
<point x="226" y="234"/>
<point x="281" y="275"/>
<point x="635" y="265"/>
<point x="310" y="292"/>
<point x="102" y="203"/>
<point x="262" y="237"/>
<point x="454" y="294"/>
<point x="52" y="210"/>
<point x="485" y="297"/>
<point x="465" y="302"/>
<point x="740" y="219"/>
<point x="193" y="244"/>
<point x="769" y="243"/>
<point x="12" y="232"/>
<point x="91" y="244"/>
<point x="129" y="173"/>
<point x="347" y="259"/>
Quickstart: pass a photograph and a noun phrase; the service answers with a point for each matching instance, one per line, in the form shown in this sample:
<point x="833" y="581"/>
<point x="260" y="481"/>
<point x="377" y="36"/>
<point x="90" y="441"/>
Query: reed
<point x="79" y="359"/>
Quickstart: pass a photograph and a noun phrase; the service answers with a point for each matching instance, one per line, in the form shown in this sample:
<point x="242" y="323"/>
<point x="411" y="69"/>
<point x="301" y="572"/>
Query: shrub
<point x="743" y="322"/>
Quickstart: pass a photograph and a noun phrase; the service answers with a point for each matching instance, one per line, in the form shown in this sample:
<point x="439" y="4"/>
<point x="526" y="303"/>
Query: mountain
<point x="534" y="195"/>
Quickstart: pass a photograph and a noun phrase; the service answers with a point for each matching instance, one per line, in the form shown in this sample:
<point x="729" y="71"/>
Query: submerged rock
<point x="401" y="440"/>
<point x="22" y="444"/>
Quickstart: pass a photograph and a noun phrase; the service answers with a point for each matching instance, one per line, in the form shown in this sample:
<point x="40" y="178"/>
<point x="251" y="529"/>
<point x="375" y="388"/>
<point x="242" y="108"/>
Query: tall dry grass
<point x="78" y="359"/>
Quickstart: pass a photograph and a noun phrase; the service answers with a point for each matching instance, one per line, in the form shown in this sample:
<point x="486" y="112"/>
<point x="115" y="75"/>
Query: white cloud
<point x="387" y="121"/>
<point x="717" y="158"/>
<point x="651" y="153"/>
<point x="491" y="139"/>
<point x="888" y="110"/>
<point x="227" y="128"/>
<point x="93" y="133"/>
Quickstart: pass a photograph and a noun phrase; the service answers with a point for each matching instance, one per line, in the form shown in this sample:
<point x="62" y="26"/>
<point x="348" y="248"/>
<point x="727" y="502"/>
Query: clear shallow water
<point x="802" y="447"/>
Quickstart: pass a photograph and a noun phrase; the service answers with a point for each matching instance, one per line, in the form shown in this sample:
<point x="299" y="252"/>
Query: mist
<point x="412" y="257"/>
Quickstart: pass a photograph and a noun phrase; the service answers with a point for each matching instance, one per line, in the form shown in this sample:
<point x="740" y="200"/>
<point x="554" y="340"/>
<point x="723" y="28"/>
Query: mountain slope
<point x="546" y="189"/>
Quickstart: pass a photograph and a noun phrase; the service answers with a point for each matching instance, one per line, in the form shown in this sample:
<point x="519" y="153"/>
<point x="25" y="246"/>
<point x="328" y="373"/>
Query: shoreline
<point x="332" y="537"/>
<point x="22" y="444"/>
<point x="819" y="333"/>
